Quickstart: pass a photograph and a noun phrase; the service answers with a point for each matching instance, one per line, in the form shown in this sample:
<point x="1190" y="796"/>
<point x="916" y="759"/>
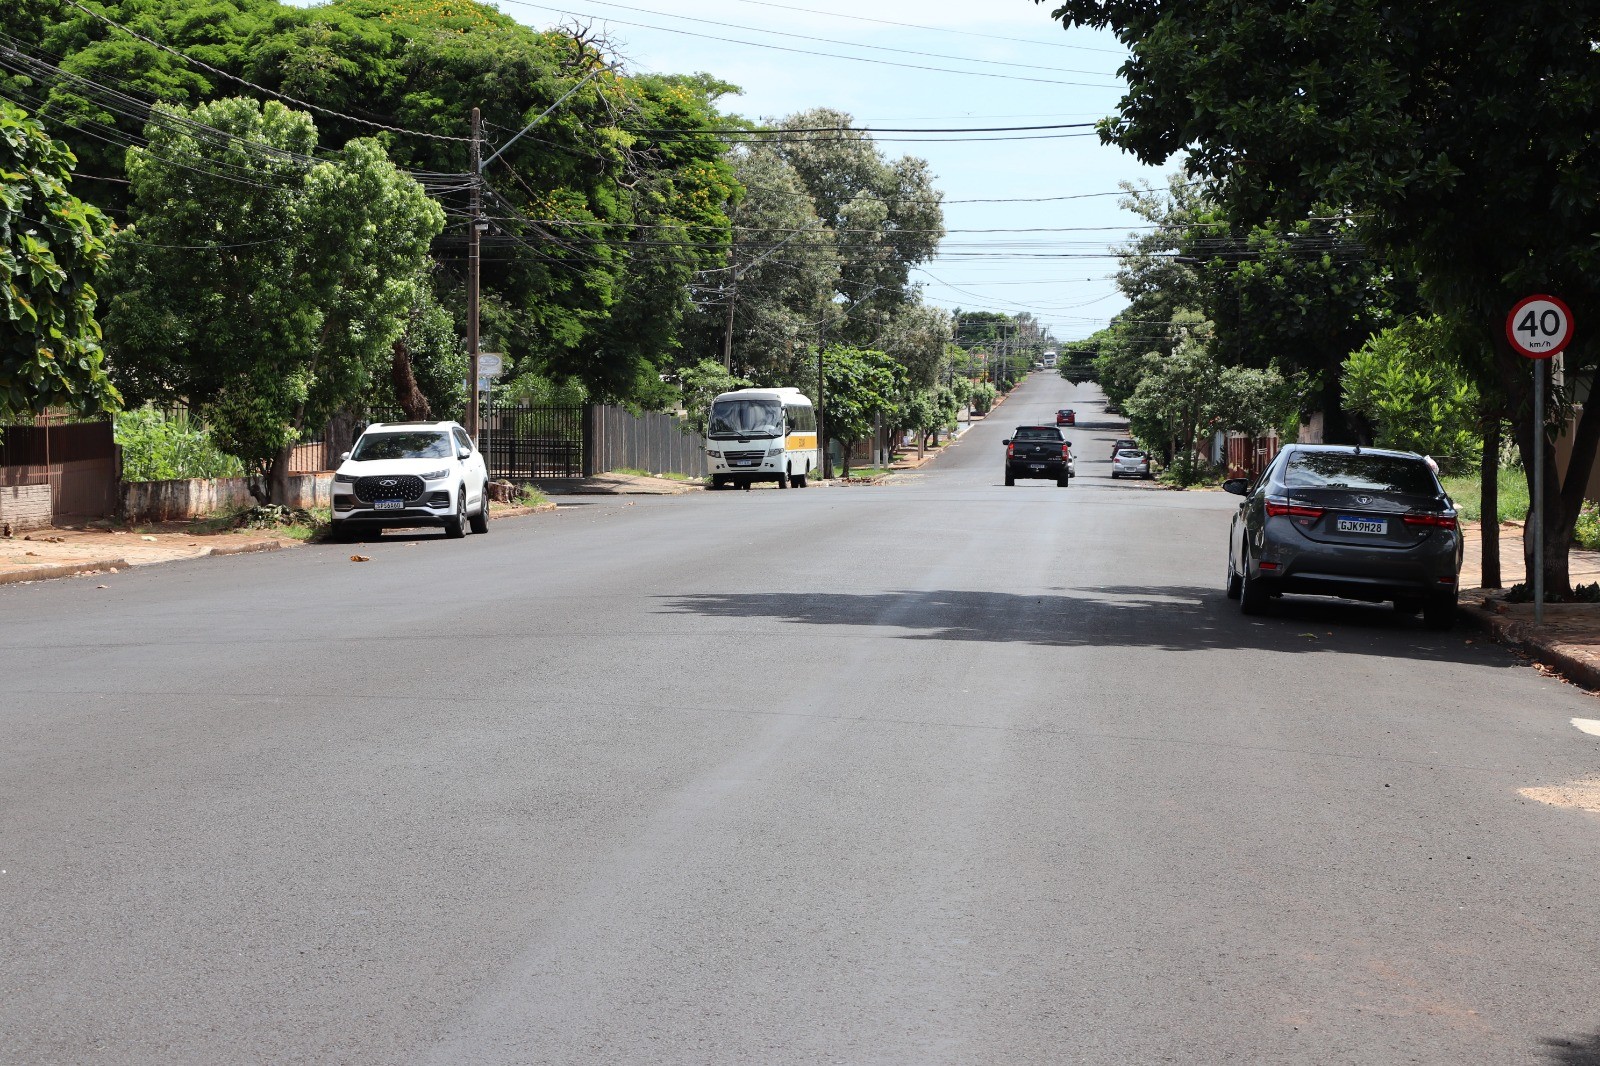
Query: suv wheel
<point x="480" y="521"/>
<point x="455" y="528"/>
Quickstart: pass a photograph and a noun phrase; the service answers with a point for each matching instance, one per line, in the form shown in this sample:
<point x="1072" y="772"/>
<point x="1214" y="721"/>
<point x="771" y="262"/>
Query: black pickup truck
<point x="1038" y="452"/>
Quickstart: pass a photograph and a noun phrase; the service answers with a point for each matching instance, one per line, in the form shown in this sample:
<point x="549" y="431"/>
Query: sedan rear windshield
<point x="1348" y="470"/>
<point x="430" y="445"/>
<point x="1037" y="433"/>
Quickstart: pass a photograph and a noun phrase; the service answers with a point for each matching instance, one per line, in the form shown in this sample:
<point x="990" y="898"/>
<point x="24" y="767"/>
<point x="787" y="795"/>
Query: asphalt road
<point x="933" y="772"/>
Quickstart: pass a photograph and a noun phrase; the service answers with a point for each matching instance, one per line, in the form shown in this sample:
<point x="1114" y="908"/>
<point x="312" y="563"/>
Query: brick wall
<point x="24" y="507"/>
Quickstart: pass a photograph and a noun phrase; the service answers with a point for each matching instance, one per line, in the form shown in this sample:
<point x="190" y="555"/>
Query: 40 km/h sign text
<point x="1539" y="327"/>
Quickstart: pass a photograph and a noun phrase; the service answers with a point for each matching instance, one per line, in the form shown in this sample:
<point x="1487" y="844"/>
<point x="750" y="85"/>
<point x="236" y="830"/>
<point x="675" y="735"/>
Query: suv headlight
<point x="344" y="479"/>
<point x="435" y="475"/>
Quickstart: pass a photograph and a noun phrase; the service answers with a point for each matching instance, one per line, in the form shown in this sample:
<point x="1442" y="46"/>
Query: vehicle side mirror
<point x="343" y="456"/>
<point x="1006" y="441"/>
<point x="464" y="452"/>
<point x="1239" y="486"/>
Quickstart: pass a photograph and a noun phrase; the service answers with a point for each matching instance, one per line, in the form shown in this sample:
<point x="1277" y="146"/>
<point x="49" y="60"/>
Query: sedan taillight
<point x="1445" y="520"/>
<point x="1278" y="506"/>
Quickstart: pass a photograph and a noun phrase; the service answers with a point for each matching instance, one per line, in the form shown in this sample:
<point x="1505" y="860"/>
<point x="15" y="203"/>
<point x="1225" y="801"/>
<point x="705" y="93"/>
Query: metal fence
<point x="527" y="443"/>
<point x="655" y="443"/>
<point x="78" y="460"/>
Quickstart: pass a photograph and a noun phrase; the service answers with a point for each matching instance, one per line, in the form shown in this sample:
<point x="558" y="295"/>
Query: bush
<point x="1587" y="532"/>
<point x="983" y="397"/>
<point x="156" y="447"/>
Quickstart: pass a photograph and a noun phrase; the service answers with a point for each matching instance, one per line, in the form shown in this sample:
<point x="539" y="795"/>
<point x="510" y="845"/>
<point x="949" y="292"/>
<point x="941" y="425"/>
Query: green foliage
<point x="539" y="391"/>
<point x="1586" y="533"/>
<point x="1406" y="382"/>
<point x="52" y="248"/>
<point x="700" y="384"/>
<point x="1466" y="491"/>
<point x="861" y="385"/>
<point x="158" y="447"/>
<point x="983" y="397"/>
<point x="265" y="307"/>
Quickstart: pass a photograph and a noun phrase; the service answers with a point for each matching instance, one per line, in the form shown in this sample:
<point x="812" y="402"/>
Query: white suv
<point x="411" y="474"/>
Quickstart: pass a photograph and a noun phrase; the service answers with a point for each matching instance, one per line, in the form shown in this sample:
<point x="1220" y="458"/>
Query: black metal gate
<point x="527" y="443"/>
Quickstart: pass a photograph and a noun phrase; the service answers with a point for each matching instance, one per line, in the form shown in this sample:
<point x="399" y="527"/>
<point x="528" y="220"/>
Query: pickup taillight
<point x="1011" y="450"/>
<point x="1066" y="451"/>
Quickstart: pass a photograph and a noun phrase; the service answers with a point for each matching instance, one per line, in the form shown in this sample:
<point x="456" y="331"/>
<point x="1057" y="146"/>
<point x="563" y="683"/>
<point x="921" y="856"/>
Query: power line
<point x="846" y="44"/>
<point x="935" y="29"/>
<point x="813" y="52"/>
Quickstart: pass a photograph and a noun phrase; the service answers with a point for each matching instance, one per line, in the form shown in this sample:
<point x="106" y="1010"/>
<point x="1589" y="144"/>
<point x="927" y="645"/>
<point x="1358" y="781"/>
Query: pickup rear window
<point x="1037" y="433"/>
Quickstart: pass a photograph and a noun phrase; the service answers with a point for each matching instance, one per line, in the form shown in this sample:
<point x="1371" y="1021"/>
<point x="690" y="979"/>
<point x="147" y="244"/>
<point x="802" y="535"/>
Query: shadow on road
<point x="1169" y="618"/>
<point x="1585" y="1051"/>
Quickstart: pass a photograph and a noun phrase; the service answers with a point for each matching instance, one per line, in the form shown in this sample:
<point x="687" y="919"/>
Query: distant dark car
<point x="1363" y="524"/>
<point x="1038" y="452"/>
<point x="1123" y="444"/>
<point x="1066" y="417"/>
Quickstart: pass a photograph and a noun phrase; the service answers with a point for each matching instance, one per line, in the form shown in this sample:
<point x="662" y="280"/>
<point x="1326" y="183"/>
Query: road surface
<point x="932" y="772"/>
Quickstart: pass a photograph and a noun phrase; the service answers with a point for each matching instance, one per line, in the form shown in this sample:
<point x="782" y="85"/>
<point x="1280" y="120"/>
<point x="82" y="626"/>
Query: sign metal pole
<point x="1539" y="327"/>
<point x="1538" y="492"/>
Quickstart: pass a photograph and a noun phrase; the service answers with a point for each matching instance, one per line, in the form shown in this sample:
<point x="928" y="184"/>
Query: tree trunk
<point x="278" y="476"/>
<point x="406" y="393"/>
<point x="1489" y="505"/>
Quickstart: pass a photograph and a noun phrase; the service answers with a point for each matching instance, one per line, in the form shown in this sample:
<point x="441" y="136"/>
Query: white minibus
<point x="761" y="435"/>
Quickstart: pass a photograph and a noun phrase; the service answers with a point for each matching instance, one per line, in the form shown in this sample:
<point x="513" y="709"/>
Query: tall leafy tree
<point x="267" y="292"/>
<point x="1463" y="139"/>
<point x="885" y="214"/>
<point x="52" y="249"/>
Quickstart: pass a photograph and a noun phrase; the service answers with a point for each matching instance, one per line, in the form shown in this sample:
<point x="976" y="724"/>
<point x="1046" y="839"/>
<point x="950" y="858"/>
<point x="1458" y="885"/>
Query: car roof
<point x="442" y="426"/>
<point x="1349" y="449"/>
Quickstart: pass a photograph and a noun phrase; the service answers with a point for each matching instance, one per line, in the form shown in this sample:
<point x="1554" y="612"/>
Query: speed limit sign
<point x="1539" y="327"/>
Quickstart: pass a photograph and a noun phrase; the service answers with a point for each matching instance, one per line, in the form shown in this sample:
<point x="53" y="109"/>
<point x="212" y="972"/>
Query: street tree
<point x="862" y="386"/>
<point x="266" y="304"/>
<point x="1461" y="138"/>
<point x="53" y="247"/>
<point x="1407" y="383"/>
<point x="885" y="215"/>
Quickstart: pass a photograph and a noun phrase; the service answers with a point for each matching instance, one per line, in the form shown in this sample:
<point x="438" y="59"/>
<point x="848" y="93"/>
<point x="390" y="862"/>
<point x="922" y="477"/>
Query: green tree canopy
<point x="52" y="248"/>
<point x="268" y="304"/>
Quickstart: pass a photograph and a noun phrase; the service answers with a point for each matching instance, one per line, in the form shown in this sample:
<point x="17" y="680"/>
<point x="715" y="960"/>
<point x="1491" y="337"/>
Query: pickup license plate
<point x="1377" y="526"/>
<point x="388" y="505"/>
<point x="1035" y="466"/>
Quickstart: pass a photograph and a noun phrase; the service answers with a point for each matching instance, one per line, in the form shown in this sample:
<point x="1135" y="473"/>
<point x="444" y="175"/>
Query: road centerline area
<point x="930" y="771"/>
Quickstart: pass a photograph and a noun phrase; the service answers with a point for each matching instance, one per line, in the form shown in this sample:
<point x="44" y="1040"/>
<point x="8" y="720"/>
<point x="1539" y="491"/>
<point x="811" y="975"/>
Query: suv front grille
<point x="389" y="487"/>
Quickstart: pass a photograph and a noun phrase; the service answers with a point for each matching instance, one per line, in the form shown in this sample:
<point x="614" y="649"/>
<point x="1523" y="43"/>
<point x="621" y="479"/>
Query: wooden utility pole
<point x="473" y="271"/>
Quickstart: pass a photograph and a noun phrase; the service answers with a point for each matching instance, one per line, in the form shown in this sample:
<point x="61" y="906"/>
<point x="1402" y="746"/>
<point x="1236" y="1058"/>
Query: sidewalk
<point x="48" y="553"/>
<point x="1569" y="639"/>
<point x="618" y="485"/>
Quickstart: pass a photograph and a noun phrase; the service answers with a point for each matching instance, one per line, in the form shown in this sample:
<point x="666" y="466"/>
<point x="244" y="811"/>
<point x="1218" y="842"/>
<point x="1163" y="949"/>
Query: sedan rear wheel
<point x="1440" y="612"/>
<point x="1253" y="595"/>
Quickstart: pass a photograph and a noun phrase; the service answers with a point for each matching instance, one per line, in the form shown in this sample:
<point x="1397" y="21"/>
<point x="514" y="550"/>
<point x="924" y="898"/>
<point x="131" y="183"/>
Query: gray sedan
<point x="1360" y="523"/>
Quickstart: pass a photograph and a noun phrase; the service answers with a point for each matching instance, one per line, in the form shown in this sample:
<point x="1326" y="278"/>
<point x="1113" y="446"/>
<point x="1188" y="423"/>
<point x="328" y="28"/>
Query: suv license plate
<point x="1363" y="525"/>
<point x="388" y="505"/>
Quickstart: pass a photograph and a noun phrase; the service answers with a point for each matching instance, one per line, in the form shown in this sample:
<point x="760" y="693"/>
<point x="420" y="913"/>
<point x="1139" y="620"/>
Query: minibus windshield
<point x="745" y="419"/>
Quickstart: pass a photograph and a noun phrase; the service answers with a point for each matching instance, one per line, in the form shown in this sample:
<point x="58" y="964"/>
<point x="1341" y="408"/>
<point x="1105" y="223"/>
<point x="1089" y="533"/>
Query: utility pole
<point x="473" y="272"/>
<point x="822" y="418"/>
<point x="727" y="337"/>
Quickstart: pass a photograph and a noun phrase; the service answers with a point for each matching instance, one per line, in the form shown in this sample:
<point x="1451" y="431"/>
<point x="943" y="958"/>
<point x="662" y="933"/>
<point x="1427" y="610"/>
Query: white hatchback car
<point x="411" y="474"/>
<point x="1130" y="463"/>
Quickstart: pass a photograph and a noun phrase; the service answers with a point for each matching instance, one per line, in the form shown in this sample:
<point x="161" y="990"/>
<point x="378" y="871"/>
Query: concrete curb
<point x="50" y="570"/>
<point x="240" y="549"/>
<point x="1515" y="633"/>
